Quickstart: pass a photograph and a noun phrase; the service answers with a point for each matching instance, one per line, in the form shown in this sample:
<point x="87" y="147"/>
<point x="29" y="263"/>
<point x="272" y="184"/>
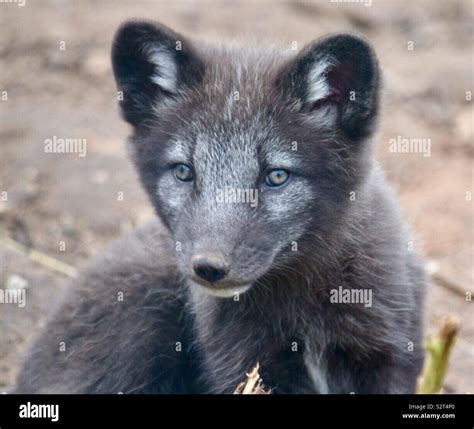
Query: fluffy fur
<point x="232" y="114"/>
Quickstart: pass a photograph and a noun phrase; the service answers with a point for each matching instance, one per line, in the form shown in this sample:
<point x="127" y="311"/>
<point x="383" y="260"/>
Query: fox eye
<point x="277" y="178"/>
<point x="183" y="173"/>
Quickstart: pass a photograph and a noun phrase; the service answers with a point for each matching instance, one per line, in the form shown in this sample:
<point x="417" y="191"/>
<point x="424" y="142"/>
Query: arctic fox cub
<point x="277" y="242"/>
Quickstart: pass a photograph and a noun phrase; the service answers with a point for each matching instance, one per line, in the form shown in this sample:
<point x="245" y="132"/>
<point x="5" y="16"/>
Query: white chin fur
<point x="221" y="293"/>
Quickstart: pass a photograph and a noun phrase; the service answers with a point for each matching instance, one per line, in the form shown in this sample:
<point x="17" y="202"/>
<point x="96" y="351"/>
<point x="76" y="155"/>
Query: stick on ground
<point x="438" y="352"/>
<point x="253" y="385"/>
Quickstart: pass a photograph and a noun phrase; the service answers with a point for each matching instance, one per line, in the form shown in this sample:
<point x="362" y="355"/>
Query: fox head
<point x="247" y="154"/>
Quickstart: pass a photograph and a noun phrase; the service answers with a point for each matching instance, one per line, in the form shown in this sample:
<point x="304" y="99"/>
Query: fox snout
<point x="211" y="268"/>
<point x="212" y="271"/>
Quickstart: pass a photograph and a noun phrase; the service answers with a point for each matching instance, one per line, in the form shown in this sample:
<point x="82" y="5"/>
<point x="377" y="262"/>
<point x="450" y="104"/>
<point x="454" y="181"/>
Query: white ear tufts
<point x="166" y="71"/>
<point x="318" y="86"/>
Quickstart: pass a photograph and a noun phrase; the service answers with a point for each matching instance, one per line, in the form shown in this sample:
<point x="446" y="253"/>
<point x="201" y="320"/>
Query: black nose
<point x="210" y="269"/>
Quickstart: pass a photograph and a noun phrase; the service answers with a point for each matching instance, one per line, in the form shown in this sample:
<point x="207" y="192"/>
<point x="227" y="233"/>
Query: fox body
<point x="216" y="285"/>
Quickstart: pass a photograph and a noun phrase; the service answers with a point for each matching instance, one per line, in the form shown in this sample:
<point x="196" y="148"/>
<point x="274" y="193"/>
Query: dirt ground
<point x="56" y="80"/>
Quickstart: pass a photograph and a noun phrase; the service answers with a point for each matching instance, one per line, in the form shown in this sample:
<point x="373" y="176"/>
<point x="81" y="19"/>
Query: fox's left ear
<point x="338" y="76"/>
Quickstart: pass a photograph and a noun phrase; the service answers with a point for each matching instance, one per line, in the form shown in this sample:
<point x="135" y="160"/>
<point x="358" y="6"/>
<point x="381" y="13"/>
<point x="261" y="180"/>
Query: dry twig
<point x="438" y="349"/>
<point x="253" y="385"/>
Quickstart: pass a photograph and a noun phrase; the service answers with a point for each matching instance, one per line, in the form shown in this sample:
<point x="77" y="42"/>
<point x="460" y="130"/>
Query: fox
<point x="213" y="286"/>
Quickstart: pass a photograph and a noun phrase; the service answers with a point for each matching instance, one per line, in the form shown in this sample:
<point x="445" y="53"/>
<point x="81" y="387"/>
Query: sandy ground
<point x="425" y="51"/>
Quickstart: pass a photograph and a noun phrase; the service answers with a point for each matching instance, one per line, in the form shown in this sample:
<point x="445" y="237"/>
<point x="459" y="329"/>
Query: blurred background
<point x="56" y="80"/>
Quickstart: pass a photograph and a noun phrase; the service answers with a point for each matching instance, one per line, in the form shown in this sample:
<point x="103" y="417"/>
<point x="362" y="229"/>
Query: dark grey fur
<point x="285" y="321"/>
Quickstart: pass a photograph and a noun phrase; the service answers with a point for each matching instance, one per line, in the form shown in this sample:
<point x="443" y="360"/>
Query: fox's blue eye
<point x="183" y="173"/>
<point x="276" y="178"/>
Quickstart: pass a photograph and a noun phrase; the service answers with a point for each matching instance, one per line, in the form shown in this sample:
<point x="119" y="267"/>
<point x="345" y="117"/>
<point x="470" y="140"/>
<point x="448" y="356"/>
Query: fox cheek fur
<point x="230" y="115"/>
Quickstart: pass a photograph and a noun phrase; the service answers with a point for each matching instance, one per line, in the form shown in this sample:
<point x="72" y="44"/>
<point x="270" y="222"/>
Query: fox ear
<point x="337" y="78"/>
<point x="151" y="63"/>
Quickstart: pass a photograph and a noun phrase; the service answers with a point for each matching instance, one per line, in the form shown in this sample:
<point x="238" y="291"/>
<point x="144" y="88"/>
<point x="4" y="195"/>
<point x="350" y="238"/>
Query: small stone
<point x="464" y="126"/>
<point x="16" y="282"/>
<point x="100" y="177"/>
<point x="96" y="64"/>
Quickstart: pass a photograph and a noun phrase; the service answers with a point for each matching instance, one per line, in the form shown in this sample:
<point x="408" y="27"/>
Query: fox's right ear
<point x="151" y="63"/>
